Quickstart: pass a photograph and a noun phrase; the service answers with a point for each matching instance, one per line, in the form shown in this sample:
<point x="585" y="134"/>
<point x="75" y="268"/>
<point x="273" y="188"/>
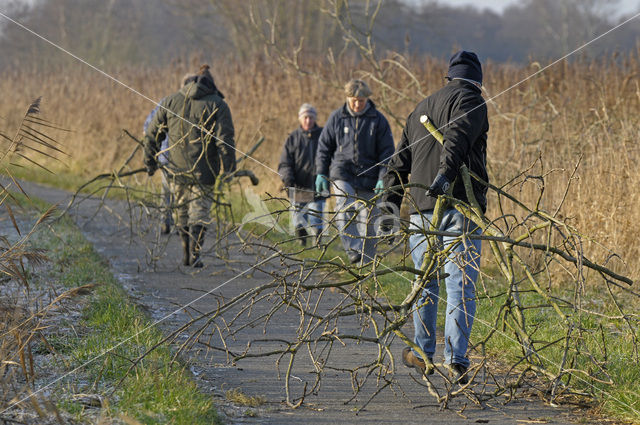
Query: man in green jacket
<point x="201" y="146"/>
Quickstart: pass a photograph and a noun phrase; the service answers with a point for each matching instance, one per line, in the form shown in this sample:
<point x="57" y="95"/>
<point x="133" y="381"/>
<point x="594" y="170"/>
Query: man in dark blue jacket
<point x="297" y="171"/>
<point x="353" y="149"/>
<point x="460" y="113"/>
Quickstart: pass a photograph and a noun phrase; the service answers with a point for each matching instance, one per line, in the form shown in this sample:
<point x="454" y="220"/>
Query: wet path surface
<point x="149" y="268"/>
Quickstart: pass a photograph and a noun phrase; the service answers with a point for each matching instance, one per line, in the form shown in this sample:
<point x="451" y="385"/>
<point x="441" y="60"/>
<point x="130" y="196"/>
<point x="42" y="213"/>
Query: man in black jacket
<point x="460" y="113"/>
<point x="297" y="171"/>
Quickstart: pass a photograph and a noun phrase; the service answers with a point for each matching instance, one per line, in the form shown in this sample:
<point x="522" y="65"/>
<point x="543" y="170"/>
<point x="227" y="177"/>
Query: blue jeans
<point x="462" y="266"/>
<point x="355" y="220"/>
<point x="309" y="214"/>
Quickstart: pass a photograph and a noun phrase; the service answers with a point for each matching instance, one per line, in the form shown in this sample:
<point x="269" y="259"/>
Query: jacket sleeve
<point x="384" y="145"/>
<point x="467" y="122"/>
<point x="398" y="169"/>
<point x="155" y="128"/>
<point x="224" y="137"/>
<point x="286" y="166"/>
<point x="326" y="146"/>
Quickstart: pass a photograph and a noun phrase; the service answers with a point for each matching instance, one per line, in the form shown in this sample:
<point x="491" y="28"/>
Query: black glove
<point x="440" y="186"/>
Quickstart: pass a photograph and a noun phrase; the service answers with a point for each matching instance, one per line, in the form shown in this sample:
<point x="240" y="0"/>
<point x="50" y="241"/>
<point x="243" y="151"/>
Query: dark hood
<point x="201" y="86"/>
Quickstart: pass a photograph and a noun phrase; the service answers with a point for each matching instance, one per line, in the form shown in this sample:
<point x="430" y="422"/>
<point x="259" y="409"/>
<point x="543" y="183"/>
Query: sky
<point x="622" y="7"/>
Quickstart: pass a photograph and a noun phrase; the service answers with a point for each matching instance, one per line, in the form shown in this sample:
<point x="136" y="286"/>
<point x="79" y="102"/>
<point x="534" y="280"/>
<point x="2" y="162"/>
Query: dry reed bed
<point x="583" y="111"/>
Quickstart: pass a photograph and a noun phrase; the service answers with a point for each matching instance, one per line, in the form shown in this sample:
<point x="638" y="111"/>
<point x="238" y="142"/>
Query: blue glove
<point x="322" y="184"/>
<point x="379" y="187"/>
<point x="439" y="186"/>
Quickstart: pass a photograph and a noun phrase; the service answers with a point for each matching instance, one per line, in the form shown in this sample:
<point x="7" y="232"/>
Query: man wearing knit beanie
<point x="353" y="149"/>
<point x="296" y="170"/>
<point x="446" y="130"/>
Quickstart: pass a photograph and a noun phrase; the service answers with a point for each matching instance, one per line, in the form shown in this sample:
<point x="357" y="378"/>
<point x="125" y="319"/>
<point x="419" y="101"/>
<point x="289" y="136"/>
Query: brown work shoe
<point x="411" y="360"/>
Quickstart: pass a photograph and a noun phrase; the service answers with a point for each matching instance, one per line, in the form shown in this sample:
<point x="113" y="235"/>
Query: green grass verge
<point x="602" y="354"/>
<point x="157" y="390"/>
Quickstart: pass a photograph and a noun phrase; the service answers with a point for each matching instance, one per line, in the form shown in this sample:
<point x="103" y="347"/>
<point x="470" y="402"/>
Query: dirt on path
<point x="164" y="287"/>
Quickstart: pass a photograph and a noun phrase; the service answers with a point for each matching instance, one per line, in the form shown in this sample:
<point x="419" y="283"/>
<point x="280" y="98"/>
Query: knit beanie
<point x="307" y="109"/>
<point x="465" y="65"/>
<point x="357" y="88"/>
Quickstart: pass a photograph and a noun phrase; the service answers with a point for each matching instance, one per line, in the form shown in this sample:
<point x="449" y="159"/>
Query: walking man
<point x="459" y="111"/>
<point x="297" y="171"/>
<point x="201" y="144"/>
<point x="353" y="149"/>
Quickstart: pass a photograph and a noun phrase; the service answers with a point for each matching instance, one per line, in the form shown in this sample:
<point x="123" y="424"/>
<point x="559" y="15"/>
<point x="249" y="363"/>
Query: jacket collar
<point x="460" y="83"/>
<point x="371" y="110"/>
<point x="308" y="134"/>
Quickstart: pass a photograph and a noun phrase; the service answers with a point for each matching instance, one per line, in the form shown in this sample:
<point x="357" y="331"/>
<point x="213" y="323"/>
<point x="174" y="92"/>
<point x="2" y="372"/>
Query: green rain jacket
<point x="201" y="136"/>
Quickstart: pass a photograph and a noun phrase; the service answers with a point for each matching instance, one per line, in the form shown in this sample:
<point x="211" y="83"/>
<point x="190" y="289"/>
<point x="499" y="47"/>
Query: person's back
<point x="445" y="131"/>
<point x="200" y="131"/>
<point x="460" y="111"/>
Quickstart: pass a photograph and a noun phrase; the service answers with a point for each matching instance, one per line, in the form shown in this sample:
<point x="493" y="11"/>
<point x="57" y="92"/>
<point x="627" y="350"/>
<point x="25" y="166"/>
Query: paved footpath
<point x="162" y="286"/>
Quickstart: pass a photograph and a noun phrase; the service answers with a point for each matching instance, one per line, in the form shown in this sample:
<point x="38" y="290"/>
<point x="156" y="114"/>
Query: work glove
<point x="440" y="186"/>
<point x="379" y="187"/>
<point x="322" y="184"/>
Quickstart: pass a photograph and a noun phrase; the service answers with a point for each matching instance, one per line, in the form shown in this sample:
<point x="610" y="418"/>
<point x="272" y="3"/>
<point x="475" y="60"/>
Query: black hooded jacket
<point x="460" y="112"/>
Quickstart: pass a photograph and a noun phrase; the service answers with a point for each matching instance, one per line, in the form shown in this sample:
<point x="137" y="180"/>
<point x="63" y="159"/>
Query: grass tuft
<point x="236" y="396"/>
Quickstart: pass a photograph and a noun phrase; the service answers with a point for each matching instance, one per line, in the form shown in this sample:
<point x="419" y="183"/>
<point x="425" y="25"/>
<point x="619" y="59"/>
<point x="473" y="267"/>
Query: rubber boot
<point x="301" y="234"/>
<point x="185" y="238"/>
<point x="197" y="233"/>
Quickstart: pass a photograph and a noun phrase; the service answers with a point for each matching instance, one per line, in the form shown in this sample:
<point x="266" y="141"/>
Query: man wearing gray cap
<point x="353" y="149"/>
<point x="296" y="170"/>
<point x="446" y="130"/>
